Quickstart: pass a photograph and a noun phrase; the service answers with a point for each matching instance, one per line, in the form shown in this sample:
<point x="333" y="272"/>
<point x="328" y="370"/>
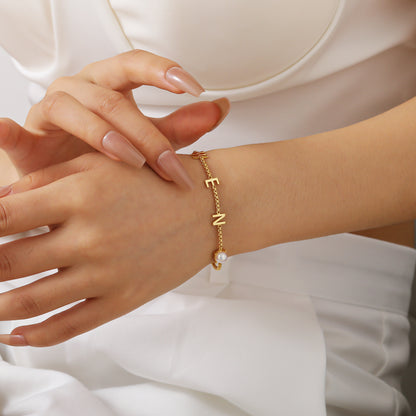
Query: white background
<point x="13" y="104"/>
<point x="13" y="101"/>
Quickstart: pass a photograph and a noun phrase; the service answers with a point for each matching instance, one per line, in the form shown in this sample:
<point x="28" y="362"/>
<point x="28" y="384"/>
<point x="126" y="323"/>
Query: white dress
<point x="313" y="327"/>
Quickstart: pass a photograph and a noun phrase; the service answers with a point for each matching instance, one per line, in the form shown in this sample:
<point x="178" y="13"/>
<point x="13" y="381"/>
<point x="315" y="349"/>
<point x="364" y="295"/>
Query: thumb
<point x="15" y="140"/>
<point x="186" y="125"/>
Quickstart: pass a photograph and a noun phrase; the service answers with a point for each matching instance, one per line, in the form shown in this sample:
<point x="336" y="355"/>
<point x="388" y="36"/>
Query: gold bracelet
<point x="219" y="255"/>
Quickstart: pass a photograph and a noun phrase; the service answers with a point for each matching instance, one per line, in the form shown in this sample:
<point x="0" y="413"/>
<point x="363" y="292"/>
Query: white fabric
<point x="354" y="33"/>
<point x="253" y="45"/>
<point x="253" y="338"/>
<point x="241" y="341"/>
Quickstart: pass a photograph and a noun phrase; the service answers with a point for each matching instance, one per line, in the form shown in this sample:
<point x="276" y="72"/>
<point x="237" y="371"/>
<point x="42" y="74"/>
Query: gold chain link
<point x="220" y="255"/>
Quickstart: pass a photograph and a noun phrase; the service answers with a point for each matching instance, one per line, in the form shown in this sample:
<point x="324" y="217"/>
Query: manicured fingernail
<point x="224" y="106"/>
<point x="5" y="190"/>
<point x="118" y="146"/>
<point x="183" y="80"/>
<point x="13" y="340"/>
<point x="169" y="162"/>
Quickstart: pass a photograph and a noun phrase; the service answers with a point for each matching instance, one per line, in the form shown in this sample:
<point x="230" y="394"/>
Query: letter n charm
<point x="219" y="218"/>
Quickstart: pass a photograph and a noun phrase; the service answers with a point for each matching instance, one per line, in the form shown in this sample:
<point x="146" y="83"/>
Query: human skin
<point x="355" y="178"/>
<point x="97" y="106"/>
<point x="8" y="171"/>
<point x="44" y="141"/>
<point x="103" y="90"/>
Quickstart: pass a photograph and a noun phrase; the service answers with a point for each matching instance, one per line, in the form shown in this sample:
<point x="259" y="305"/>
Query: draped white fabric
<point x="250" y="339"/>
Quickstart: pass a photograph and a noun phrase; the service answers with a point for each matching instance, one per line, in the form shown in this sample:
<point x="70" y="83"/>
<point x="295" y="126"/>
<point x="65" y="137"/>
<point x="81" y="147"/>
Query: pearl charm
<point x="221" y="257"/>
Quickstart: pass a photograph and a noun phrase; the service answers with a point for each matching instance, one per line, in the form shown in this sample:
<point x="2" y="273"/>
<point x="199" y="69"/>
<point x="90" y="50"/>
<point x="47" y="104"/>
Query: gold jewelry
<point x="219" y="255"/>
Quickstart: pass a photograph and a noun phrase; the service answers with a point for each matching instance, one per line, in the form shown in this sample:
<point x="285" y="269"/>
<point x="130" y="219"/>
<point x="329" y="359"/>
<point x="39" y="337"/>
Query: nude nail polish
<point x="118" y="146"/>
<point x="169" y="162"/>
<point x="224" y="106"/>
<point x="13" y="340"/>
<point x="5" y="190"/>
<point x="183" y="80"/>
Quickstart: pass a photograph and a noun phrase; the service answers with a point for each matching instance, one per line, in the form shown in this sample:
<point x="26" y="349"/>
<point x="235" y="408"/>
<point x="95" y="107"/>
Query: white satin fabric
<point x="249" y="340"/>
<point x="253" y="37"/>
<point x="254" y="338"/>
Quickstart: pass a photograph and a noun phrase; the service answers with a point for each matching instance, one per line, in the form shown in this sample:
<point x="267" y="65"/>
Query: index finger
<point x="100" y="130"/>
<point x="135" y="68"/>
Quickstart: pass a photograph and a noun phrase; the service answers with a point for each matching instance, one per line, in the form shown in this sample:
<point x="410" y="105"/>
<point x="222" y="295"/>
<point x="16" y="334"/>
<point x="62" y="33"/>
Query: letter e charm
<point x="211" y="181"/>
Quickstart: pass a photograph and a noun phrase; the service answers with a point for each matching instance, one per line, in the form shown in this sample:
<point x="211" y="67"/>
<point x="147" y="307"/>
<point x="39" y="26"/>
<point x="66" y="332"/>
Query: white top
<point x="239" y="58"/>
<point x="370" y="41"/>
<point x="231" y="53"/>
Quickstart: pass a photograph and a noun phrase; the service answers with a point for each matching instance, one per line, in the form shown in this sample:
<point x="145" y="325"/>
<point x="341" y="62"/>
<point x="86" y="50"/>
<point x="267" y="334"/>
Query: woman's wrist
<point x="234" y="187"/>
<point x="245" y="185"/>
<point x="355" y="178"/>
<point x="201" y="201"/>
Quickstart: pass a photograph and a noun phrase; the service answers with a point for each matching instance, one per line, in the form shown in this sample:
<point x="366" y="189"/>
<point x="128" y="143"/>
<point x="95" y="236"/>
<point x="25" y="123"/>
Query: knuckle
<point x="146" y="139"/>
<point x="111" y="102"/>
<point x="139" y="54"/>
<point x="87" y="245"/>
<point x="87" y="161"/>
<point x="28" y="181"/>
<point x="26" y="306"/>
<point x="33" y="113"/>
<point x="6" y="266"/>
<point x="58" y="84"/>
<point x="82" y="198"/>
<point x="68" y="330"/>
<point x="134" y="54"/>
<point x="51" y="102"/>
<point x="77" y="201"/>
<point x="87" y="69"/>
<point x="35" y="179"/>
<point x="5" y="218"/>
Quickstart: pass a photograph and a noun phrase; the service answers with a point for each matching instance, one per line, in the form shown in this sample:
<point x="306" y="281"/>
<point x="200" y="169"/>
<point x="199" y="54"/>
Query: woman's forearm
<point x="359" y="177"/>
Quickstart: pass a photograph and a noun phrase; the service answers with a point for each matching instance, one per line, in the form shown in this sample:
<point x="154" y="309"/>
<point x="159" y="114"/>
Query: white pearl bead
<point x="221" y="257"/>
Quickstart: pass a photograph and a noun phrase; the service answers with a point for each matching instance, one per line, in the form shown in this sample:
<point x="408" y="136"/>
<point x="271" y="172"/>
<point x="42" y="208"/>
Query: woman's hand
<point x="97" y="107"/>
<point x="120" y="238"/>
